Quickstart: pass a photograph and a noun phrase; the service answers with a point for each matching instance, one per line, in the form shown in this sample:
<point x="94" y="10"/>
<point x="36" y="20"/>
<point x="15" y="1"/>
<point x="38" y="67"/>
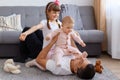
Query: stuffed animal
<point x="9" y="66"/>
<point x="98" y="66"/>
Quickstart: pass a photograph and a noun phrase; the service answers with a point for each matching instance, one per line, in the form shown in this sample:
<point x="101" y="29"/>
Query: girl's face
<point x="53" y="15"/>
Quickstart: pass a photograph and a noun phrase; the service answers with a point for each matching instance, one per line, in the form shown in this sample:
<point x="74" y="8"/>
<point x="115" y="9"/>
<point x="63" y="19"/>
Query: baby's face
<point x="67" y="28"/>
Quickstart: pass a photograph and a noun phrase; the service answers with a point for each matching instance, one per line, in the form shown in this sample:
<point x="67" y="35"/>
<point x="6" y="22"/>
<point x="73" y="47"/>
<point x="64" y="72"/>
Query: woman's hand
<point x="22" y="36"/>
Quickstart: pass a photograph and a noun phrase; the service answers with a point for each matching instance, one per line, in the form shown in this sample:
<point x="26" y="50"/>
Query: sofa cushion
<point x="9" y="37"/>
<point x="91" y="36"/>
<point x="73" y="11"/>
<point x="10" y="23"/>
<point x="6" y="11"/>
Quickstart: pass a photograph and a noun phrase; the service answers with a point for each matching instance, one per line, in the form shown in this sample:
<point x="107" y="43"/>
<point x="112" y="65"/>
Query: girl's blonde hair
<point x="51" y="6"/>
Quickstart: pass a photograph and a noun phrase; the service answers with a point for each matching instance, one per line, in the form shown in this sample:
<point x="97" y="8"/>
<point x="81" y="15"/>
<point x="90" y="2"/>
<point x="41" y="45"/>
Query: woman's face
<point x="53" y="15"/>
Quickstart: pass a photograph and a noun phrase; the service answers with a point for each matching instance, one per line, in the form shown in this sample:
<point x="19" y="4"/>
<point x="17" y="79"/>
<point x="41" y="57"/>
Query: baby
<point x="63" y="45"/>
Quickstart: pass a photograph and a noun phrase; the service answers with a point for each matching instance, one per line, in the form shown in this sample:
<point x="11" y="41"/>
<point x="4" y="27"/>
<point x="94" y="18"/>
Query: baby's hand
<point x="47" y="38"/>
<point x="23" y="36"/>
<point x="83" y="44"/>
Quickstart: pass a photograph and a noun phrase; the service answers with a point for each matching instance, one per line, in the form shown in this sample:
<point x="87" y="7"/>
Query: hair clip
<point x="57" y="2"/>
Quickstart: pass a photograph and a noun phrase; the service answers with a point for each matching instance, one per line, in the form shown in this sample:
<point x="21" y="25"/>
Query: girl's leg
<point x="33" y="62"/>
<point x="23" y="47"/>
<point x="39" y="34"/>
<point x="23" y="50"/>
<point x="34" y="45"/>
<point x="31" y="46"/>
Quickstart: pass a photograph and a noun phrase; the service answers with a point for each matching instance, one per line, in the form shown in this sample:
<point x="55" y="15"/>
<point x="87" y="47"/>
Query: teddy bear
<point x="98" y="66"/>
<point x="9" y="66"/>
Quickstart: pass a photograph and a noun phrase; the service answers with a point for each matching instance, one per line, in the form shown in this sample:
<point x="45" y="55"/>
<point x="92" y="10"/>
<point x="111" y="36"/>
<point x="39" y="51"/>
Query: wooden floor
<point x="112" y="64"/>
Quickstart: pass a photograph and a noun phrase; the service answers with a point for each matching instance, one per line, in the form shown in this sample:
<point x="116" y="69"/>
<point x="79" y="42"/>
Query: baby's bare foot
<point x="84" y="54"/>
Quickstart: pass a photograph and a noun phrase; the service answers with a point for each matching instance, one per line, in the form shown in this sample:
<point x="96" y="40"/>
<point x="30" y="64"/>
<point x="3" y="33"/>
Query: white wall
<point x="42" y="2"/>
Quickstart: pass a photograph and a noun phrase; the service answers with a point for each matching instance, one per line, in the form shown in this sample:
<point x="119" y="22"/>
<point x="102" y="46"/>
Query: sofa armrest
<point x="9" y="37"/>
<point x="91" y="36"/>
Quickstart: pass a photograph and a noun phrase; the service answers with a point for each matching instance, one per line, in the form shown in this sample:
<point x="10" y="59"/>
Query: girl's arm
<point x="23" y="35"/>
<point x="33" y="29"/>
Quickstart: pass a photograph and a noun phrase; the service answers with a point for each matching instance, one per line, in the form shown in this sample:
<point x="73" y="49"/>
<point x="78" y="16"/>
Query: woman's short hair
<point x="87" y="73"/>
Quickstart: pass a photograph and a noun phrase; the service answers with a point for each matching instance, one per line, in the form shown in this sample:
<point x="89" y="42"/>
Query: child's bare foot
<point x="84" y="54"/>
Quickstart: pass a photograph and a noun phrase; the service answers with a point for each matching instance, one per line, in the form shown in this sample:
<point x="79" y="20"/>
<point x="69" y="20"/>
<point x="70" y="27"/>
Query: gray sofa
<point x="31" y="15"/>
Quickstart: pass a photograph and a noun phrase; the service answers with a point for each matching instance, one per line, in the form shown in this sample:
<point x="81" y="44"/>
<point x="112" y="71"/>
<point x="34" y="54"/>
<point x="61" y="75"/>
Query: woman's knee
<point x="39" y="34"/>
<point x="25" y="29"/>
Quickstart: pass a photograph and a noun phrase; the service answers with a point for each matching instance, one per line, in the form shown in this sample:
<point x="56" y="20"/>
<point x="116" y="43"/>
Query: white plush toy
<point x="9" y="66"/>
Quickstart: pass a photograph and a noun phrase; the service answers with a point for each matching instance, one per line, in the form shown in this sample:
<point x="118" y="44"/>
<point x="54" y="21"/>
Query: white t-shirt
<point x="64" y="69"/>
<point x="46" y="30"/>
